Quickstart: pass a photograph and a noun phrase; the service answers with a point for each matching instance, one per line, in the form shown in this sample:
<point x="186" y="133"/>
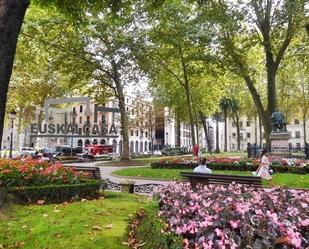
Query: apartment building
<point x="251" y="131"/>
<point x="106" y="115"/>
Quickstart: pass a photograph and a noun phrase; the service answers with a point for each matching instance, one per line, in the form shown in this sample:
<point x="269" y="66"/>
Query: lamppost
<point x="12" y="116"/>
<point x="166" y="138"/>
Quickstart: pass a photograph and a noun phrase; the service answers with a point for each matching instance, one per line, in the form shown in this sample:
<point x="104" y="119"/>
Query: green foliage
<point x="241" y="166"/>
<point x="56" y="193"/>
<point x="152" y="232"/>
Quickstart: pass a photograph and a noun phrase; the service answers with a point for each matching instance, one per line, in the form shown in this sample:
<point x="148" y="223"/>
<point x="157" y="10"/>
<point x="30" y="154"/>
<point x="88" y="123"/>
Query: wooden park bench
<point x="195" y="178"/>
<point x="94" y="172"/>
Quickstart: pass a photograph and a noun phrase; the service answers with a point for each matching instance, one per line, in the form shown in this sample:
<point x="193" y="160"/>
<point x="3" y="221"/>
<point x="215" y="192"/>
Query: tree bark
<point x="207" y="134"/>
<point x="178" y="132"/>
<point x="12" y="14"/>
<point x="124" y="118"/>
<point x="255" y="129"/>
<point x="189" y="100"/>
<point x="217" y="137"/>
<point x="188" y="94"/>
<point x="225" y="129"/>
<point x="238" y="132"/>
<point x="261" y="135"/>
<point x="304" y="127"/>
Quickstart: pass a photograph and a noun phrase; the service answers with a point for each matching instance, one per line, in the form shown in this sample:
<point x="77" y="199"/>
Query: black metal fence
<point x="296" y="152"/>
<point x="138" y="188"/>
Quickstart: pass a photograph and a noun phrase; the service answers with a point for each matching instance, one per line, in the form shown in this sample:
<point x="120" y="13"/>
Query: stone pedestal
<point x="280" y="143"/>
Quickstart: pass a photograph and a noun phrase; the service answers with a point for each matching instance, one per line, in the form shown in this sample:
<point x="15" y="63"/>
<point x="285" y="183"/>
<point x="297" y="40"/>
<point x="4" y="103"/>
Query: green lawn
<point x="89" y="224"/>
<point x="279" y="179"/>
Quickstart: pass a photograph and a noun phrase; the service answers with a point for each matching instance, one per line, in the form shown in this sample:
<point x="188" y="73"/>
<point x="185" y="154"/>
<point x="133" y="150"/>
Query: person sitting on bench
<point x="202" y="168"/>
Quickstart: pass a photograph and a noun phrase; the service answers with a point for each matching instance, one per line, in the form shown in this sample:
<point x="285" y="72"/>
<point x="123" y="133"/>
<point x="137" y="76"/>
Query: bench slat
<point x="196" y="178"/>
<point x="95" y="172"/>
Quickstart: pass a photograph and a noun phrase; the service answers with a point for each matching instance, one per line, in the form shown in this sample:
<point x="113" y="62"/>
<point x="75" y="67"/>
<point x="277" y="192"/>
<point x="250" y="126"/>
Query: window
<point x="297" y="134"/>
<point x="80" y="131"/>
<point x="142" y="133"/>
<point x="296" y="121"/>
<point x="103" y="119"/>
<point x="80" y="120"/>
<point x="127" y="109"/>
<point x="81" y="108"/>
<point x="127" y="100"/>
<point x="74" y="110"/>
<point x="298" y="145"/>
<point x="74" y="120"/>
<point x="146" y="134"/>
<point x="248" y="135"/>
<point x="132" y="111"/>
<point x="233" y="135"/>
<point x="248" y="123"/>
<point x="240" y="124"/>
<point x="136" y="133"/>
<point x="132" y="133"/>
<point x="241" y="136"/>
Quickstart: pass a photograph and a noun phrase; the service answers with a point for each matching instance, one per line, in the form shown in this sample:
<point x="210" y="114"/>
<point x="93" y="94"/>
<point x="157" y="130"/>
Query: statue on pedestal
<point x="277" y="122"/>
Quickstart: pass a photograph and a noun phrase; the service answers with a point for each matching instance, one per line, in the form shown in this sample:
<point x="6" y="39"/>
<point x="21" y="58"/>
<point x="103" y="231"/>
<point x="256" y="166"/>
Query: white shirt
<point x="202" y="169"/>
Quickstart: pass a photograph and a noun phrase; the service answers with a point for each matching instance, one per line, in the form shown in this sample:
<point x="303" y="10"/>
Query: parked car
<point x="99" y="149"/>
<point x="27" y="150"/>
<point x="174" y="151"/>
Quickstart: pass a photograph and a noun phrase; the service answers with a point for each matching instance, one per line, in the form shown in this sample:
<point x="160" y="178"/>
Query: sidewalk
<point x="106" y="172"/>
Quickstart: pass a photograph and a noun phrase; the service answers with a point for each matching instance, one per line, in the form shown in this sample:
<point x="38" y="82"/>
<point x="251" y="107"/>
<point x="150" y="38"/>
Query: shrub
<point x="224" y="166"/>
<point x="147" y="229"/>
<point x="34" y="172"/>
<point x="236" y="216"/>
<point x="56" y="193"/>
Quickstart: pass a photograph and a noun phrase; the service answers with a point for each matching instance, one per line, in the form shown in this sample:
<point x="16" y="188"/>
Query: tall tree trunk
<point x="12" y="14"/>
<point x="124" y="118"/>
<point x="304" y="127"/>
<point x="255" y="129"/>
<point x="217" y="137"/>
<point x="188" y="94"/>
<point x="206" y="132"/>
<point x="189" y="101"/>
<point x="178" y="132"/>
<point x="225" y="129"/>
<point x="261" y="134"/>
<point x="238" y="132"/>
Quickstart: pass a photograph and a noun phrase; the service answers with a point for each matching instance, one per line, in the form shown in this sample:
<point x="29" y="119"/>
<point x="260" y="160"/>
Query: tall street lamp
<point x="12" y="116"/>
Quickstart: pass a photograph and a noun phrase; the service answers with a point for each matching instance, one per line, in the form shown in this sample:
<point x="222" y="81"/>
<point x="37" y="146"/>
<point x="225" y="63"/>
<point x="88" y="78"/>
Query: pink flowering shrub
<point x="215" y="216"/>
<point x="35" y="172"/>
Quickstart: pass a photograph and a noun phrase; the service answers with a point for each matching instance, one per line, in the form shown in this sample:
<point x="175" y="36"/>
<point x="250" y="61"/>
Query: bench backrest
<point x="94" y="172"/>
<point x="196" y="178"/>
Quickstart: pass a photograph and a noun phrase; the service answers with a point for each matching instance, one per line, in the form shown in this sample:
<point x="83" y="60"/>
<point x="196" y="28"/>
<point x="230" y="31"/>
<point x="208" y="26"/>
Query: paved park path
<point x="106" y="172"/>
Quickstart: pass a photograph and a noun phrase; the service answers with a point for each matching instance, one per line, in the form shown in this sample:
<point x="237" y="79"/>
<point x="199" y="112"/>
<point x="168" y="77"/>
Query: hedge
<point x="147" y="229"/>
<point x="236" y="167"/>
<point x="56" y="193"/>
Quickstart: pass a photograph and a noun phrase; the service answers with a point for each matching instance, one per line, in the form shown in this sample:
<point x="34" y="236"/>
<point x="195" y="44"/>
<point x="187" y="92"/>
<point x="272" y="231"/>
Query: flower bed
<point x="33" y="180"/>
<point x="236" y="216"/>
<point x="284" y="165"/>
<point x="34" y="172"/>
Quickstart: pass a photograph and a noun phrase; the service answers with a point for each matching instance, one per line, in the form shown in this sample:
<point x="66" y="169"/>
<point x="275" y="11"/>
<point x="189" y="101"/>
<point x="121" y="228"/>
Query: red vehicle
<point x="99" y="149"/>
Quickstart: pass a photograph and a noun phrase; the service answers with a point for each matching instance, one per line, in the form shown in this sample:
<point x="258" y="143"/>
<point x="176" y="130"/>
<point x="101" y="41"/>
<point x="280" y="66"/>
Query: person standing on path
<point x="263" y="169"/>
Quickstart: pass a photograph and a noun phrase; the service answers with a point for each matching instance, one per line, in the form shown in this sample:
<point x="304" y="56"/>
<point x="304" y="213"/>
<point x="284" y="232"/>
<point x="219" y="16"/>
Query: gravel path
<point x="106" y="172"/>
